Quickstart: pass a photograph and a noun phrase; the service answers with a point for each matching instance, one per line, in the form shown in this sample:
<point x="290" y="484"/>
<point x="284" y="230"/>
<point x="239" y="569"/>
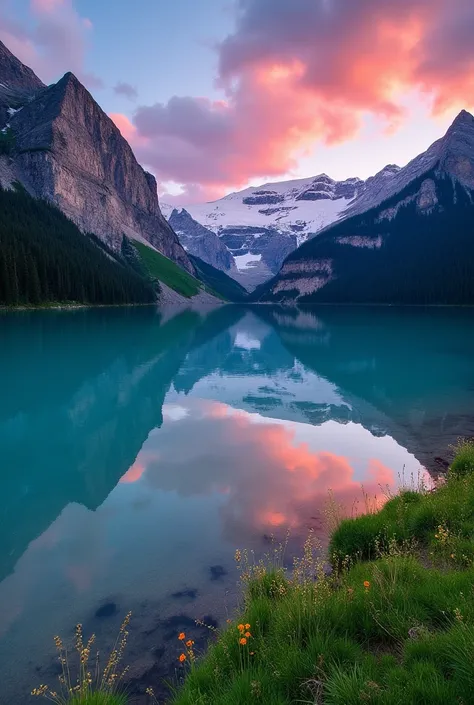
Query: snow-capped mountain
<point x="301" y="207"/>
<point x="261" y="225"/>
<point x="407" y="238"/>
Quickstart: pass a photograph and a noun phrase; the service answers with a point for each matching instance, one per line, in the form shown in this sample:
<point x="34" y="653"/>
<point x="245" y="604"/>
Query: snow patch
<point x="246" y="261"/>
<point x="245" y="341"/>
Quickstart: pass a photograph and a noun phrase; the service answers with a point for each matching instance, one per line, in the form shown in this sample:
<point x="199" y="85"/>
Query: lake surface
<point x="138" y="450"/>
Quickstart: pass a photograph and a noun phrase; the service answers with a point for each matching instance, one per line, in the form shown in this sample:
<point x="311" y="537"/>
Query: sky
<point x="214" y="95"/>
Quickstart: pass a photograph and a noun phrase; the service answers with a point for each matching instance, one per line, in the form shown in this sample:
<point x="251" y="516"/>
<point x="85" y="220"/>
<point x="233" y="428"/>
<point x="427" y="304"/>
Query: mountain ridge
<point x="396" y="242"/>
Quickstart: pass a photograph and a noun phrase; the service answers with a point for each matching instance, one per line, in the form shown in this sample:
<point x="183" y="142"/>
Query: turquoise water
<point x="139" y="450"/>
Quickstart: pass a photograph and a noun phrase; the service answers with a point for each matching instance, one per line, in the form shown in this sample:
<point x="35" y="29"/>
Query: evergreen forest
<point x="44" y="258"/>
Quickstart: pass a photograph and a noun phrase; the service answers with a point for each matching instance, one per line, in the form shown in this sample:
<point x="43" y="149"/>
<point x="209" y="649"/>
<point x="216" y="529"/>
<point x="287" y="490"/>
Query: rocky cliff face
<point x="18" y="84"/>
<point x="68" y="151"/>
<point x="200" y="241"/>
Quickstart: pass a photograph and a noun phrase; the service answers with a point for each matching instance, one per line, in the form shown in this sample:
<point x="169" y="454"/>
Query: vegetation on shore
<point x="392" y="623"/>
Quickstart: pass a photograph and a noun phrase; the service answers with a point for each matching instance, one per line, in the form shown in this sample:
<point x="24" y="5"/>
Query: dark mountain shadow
<point x="81" y="412"/>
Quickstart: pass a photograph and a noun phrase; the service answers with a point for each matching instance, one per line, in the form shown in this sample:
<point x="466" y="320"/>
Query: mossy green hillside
<point x="165" y="270"/>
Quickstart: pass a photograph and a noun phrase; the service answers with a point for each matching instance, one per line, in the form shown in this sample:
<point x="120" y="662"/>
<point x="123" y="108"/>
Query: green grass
<point x="165" y="270"/>
<point x="100" y="699"/>
<point x="392" y="625"/>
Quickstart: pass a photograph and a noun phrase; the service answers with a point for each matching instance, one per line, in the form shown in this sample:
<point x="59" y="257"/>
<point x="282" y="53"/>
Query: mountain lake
<point x="140" y="448"/>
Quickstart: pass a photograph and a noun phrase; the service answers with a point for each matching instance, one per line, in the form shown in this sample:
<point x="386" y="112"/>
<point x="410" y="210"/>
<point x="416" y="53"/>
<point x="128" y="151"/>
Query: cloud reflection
<point x="271" y="474"/>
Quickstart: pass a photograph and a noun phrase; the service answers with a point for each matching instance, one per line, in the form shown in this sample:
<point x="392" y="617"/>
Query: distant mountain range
<point x="391" y="238"/>
<point x="262" y="225"/>
<point x="407" y="238"/>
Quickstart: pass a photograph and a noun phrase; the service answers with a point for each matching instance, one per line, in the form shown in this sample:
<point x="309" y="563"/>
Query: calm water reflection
<point x="139" y="450"/>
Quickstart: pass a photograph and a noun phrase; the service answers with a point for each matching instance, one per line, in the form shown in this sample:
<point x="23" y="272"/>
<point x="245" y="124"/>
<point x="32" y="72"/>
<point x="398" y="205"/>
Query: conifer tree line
<point x="45" y="258"/>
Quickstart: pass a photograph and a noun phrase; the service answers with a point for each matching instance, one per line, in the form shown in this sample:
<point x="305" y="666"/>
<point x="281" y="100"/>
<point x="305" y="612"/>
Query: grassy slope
<point x="168" y="272"/>
<point x="219" y="281"/>
<point x="393" y="625"/>
<point x="210" y="279"/>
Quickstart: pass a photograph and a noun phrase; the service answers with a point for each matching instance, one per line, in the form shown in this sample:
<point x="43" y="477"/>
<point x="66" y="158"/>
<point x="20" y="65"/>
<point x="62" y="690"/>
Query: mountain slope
<point x="44" y="258"/>
<point x="207" y="286"/>
<point x="18" y="84"/>
<point x="409" y="241"/>
<point x="219" y="281"/>
<point x="200" y="241"/>
<point x="64" y="148"/>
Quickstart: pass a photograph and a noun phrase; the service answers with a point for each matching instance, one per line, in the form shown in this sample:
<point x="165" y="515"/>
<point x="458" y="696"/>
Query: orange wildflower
<point x="189" y="643"/>
<point x="241" y="627"/>
<point x="366" y="584"/>
<point x="242" y="641"/>
<point x="182" y="636"/>
<point x="182" y="657"/>
<point x="247" y="626"/>
<point x="248" y="635"/>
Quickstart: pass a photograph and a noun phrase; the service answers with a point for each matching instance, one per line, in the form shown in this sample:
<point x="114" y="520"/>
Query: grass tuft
<point x="463" y="463"/>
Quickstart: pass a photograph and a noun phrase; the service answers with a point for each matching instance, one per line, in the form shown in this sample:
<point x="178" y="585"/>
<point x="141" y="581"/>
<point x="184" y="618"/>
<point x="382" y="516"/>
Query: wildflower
<point x="229" y="621"/>
<point x="182" y="636"/>
<point x="252" y="653"/>
<point x="189" y="643"/>
<point x="242" y="641"/>
<point x="150" y="691"/>
<point x="247" y="626"/>
<point x="248" y="635"/>
<point x="238" y="556"/>
<point x="241" y="628"/>
<point x="182" y="657"/>
<point x="452" y="555"/>
<point x="366" y="584"/>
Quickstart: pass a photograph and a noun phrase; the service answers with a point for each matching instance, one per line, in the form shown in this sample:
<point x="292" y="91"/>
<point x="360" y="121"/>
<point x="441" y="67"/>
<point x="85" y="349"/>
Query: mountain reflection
<point x="82" y="392"/>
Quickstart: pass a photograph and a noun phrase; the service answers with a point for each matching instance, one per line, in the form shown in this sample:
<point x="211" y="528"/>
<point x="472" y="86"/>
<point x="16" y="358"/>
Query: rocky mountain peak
<point x="463" y="118"/>
<point x="456" y="149"/>
<point x="18" y="83"/>
<point x="200" y="241"/>
<point x="14" y="74"/>
<point x="68" y="151"/>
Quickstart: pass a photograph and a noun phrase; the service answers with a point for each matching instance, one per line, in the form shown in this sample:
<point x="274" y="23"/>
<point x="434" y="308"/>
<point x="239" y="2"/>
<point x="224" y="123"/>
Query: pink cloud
<point x="55" y="43"/>
<point x="299" y="73"/>
<point x="46" y="5"/>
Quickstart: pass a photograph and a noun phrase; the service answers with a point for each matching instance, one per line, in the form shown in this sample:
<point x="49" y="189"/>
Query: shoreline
<point x="392" y="622"/>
